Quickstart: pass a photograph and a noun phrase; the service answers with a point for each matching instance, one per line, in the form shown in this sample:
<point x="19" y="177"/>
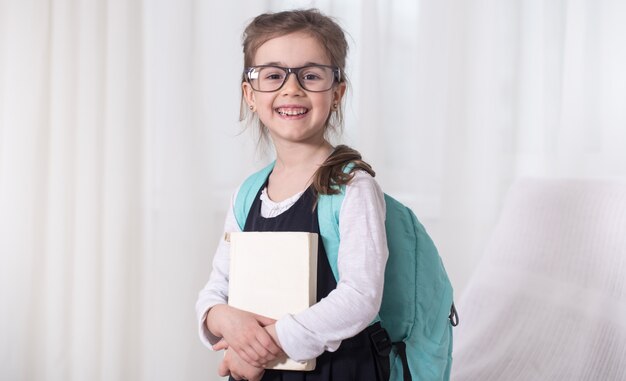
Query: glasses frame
<point x="295" y="70"/>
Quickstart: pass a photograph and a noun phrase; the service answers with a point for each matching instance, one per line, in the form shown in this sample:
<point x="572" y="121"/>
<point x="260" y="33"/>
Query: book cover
<point x="274" y="274"/>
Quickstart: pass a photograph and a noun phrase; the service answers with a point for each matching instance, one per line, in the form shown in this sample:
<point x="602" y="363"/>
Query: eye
<point x="272" y="74"/>
<point x="311" y="77"/>
<point x="313" y="73"/>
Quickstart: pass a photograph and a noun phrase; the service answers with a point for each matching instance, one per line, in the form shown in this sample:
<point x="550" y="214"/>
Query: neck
<point x="298" y="156"/>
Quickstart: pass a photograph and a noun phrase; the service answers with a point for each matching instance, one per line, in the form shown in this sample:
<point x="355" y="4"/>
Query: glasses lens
<point x="316" y="78"/>
<point x="267" y="78"/>
<point x="311" y="78"/>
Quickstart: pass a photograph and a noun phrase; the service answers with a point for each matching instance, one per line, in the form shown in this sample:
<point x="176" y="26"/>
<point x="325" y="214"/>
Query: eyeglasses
<point x="315" y="78"/>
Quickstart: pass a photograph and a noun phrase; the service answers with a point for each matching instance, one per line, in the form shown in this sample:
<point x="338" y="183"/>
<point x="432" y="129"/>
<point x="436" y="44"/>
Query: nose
<point x="292" y="85"/>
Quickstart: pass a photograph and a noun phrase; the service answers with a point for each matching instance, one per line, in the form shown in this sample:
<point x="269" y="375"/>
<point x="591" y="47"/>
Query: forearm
<point x="213" y="295"/>
<point x="323" y="326"/>
<point x="361" y="263"/>
<point x="215" y="292"/>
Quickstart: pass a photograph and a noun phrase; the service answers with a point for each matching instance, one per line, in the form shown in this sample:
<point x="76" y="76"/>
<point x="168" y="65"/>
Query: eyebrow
<point x="274" y="63"/>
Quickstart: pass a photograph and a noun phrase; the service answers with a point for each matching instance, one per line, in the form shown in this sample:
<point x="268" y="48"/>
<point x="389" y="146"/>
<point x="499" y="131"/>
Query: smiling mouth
<point x="292" y="111"/>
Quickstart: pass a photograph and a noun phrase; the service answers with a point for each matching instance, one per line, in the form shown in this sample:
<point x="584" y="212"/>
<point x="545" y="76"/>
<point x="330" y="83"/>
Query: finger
<point x="263" y="355"/>
<point x="247" y="354"/>
<point x="264" y="351"/>
<point x="245" y="335"/>
<point x="264" y="320"/>
<point x="254" y="353"/>
<point x="223" y="370"/>
<point x="222" y="344"/>
<point x="250" y="355"/>
<point x="268" y="343"/>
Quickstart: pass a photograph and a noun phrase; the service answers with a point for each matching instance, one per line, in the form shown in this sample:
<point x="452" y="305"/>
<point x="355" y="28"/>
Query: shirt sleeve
<point x="216" y="290"/>
<point x="362" y="257"/>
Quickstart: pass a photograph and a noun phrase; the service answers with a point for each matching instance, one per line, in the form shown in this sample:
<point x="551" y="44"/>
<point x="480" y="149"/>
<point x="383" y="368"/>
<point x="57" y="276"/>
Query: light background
<point x="120" y="147"/>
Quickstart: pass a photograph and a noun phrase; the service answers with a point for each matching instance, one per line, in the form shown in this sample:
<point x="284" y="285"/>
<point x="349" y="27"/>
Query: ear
<point x="248" y="94"/>
<point x="338" y="92"/>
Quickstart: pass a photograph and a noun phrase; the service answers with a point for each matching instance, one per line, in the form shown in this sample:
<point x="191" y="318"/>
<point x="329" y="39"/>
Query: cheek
<point x="325" y="103"/>
<point x="266" y="99"/>
<point x="263" y="102"/>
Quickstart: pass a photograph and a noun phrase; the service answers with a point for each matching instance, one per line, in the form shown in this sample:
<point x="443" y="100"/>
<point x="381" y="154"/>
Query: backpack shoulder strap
<point x="247" y="192"/>
<point x="328" y="207"/>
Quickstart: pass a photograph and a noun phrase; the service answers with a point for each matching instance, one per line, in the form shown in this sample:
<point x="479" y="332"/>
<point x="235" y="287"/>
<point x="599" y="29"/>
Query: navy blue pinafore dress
<point x="356" y="358"/>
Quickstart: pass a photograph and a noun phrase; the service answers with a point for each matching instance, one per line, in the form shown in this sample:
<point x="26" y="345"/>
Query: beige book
<point x="274" y="274"/>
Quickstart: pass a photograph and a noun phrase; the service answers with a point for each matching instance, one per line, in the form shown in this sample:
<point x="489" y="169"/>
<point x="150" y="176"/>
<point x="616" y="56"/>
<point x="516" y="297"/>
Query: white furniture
<point x="548" y="300"/>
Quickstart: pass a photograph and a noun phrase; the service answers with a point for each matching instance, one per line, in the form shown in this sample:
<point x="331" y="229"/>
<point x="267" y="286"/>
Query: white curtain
<point x="120" y="146"/>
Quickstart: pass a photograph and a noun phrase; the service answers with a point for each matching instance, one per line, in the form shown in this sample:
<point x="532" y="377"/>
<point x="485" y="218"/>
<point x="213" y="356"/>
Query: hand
<point x="238" y="369"/>
<point x="243" y="332"/>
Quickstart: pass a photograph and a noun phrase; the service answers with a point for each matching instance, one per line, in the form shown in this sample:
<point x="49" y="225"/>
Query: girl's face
<point x="291" y="113"/>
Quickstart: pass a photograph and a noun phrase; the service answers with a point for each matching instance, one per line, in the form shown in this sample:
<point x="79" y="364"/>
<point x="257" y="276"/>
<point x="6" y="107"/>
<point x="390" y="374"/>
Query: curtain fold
<point x="72" y="188"/>
<point x="120" y="147"/>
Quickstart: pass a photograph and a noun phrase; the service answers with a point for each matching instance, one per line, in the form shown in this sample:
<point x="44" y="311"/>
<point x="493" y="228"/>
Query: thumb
<point x="222" y="344"/>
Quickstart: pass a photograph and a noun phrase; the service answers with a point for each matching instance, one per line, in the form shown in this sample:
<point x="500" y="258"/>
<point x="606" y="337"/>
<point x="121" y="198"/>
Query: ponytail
<point x="330" y="176"/>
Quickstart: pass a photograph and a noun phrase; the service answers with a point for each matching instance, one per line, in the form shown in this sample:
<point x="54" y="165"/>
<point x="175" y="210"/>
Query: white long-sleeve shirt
<point x="349" y="308"/>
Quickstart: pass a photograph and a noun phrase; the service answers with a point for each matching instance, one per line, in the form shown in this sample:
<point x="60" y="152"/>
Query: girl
<point x="293" y="87"/>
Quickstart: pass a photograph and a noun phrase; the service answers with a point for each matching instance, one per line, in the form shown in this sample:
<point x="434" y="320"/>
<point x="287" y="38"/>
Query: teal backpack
<point x="417" y="309"/>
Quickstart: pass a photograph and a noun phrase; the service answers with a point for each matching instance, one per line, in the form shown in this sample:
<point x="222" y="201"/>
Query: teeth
<point x="292" y="111"/>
